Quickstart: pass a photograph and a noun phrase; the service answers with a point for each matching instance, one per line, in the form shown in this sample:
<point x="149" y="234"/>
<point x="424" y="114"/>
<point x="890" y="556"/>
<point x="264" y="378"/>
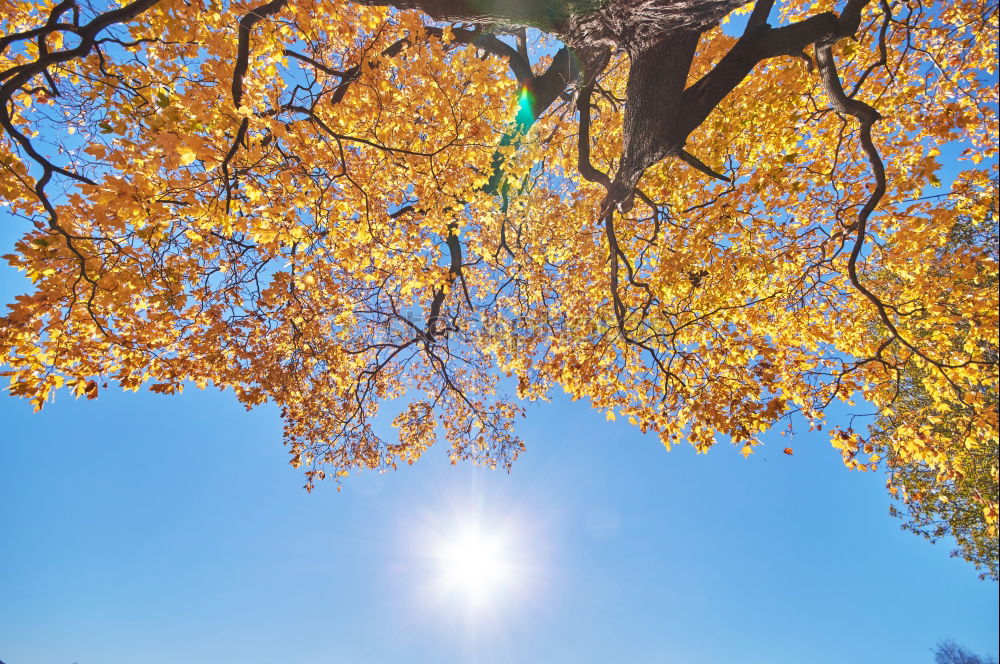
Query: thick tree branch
<point x="757" y="45"/>
<point x="586" y="169"/>
<point x="454" y="272"/>
<point x="758" y="17"/>
<point x="249" y="20"/>
<point x="699" y="165"/>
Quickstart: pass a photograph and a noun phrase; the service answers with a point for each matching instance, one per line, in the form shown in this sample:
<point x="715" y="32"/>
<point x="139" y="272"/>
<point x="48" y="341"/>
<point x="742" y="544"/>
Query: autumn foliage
<point x="331" y="206"/>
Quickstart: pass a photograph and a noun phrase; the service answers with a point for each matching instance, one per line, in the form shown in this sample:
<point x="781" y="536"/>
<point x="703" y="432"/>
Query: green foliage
<point x="932" y="503"/>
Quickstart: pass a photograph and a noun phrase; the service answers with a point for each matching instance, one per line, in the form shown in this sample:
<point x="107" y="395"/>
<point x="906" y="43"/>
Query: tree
<point x="948" y="652"/>
<point x="947" y="498"/>
<point x="331" y="205"/>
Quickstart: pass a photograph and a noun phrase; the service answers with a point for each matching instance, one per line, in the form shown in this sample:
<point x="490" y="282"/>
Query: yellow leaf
<point x="187" y="155"/>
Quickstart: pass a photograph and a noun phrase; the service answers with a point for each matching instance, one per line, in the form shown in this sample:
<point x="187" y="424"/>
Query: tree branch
<point x="249" y="20"/>
<point x="755" y="46"/>
<point x="699" y="165"/>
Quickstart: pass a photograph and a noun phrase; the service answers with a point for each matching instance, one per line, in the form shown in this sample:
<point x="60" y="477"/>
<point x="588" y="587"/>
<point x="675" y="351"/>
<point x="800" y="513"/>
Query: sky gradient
<point x="143" y="528"/>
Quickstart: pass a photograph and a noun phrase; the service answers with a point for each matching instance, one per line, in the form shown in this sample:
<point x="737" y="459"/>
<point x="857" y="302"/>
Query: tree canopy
<point x="334" y="205"/>
<point x="948" y="652"/>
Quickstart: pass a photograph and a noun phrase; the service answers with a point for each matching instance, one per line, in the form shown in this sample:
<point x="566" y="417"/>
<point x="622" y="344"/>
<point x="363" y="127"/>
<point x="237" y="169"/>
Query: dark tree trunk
<point x="637" y="25"/>
<point x="653" y="97"/>
<point x="632" y="25"/>
<point x="661" y="38"/>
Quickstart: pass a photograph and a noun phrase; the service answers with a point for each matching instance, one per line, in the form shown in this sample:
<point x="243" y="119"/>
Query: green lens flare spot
<point x="525" y="106"/>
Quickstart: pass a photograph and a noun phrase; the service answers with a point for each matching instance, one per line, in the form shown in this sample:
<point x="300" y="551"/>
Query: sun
<point x="476" y="564"/>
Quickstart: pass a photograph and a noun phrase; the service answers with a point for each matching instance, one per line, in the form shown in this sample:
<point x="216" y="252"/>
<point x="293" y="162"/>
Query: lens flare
<point x="525" y="108"/>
